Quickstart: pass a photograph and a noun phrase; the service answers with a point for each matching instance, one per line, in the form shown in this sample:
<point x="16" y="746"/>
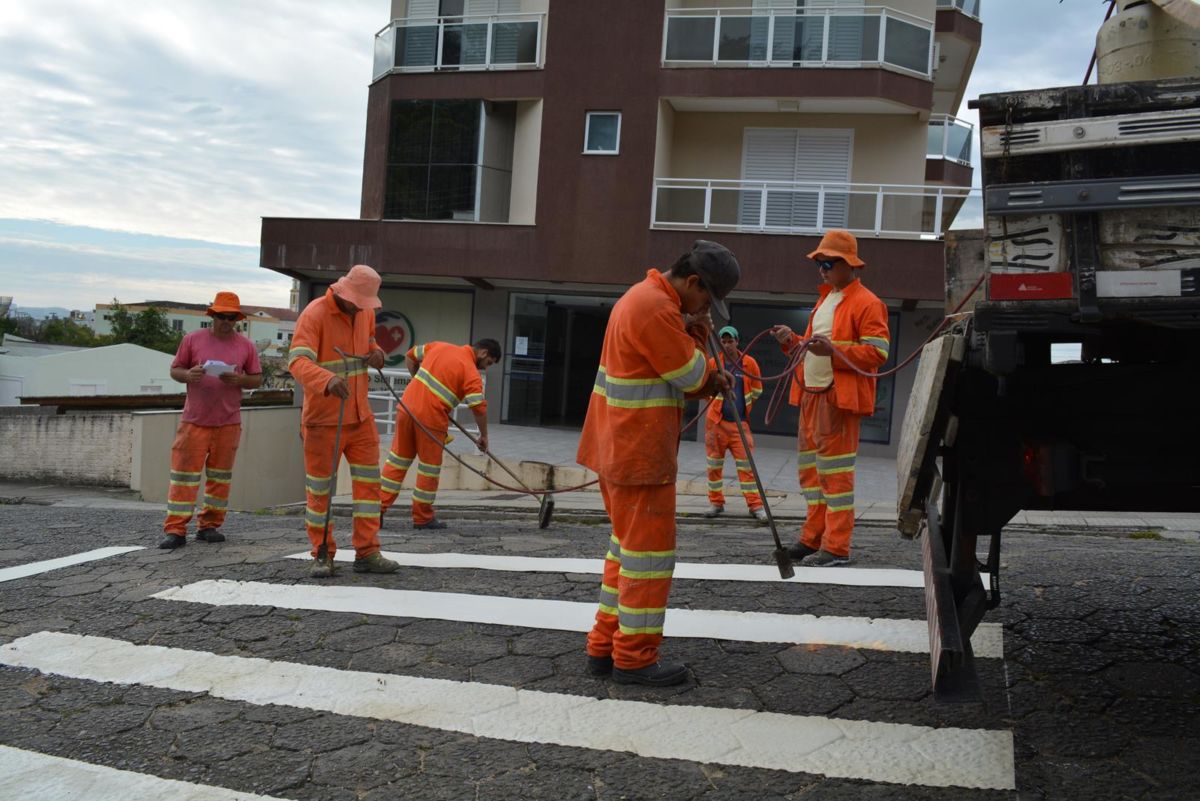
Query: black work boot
<point x="210" y="535"/>
<point x="171" y="541"/>
<point x="798" y="550"/>
<point x="599" y="666"/>
<point x="656" y="675"/>
<point x="432" y="524"/>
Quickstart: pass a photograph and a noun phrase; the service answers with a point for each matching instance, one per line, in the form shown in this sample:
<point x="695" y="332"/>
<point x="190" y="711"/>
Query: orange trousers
<point x="210" y="449"/>
<point x="720" y="437"/>
<point x="828" y="448"/>
<point x="637" y="574"/>
<point x="408" y="443"/>
<point x="360" y="446"/>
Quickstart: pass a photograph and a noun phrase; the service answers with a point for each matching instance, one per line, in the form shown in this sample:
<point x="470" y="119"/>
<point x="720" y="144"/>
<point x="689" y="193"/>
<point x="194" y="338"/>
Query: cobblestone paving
<point x="1100" y="682"/>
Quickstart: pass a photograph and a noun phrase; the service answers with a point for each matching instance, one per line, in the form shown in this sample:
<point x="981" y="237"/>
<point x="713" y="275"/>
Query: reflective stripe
<point x="183" y="477"/>
<point x="215" y="503"/>
<point x="840" y="501"/>
<point x="881" y="344"/>
<point x="180" y="508"/>
<point x="689" y="377"/>
<point x="806" y="459"/>
<point x="747" y="486"/>
<point x="219" y="475"/>
<point x="184" y="483"/>
<point x="474" y="399"/>
<point x="301" y="352"/>
<point x="314" y="518"/>
<point x="842" y="463"/>
<point x="816" y="502"/>
<point x="316" y="485"/>
<point x="753" y="395"/>
<point x="399" y="462"/>
<point x="419" y="352"/>
<point x="742" y="464"/>
<point x="436" y="387"/>
<point x="614" y="549"/>
<point x="642" y="621"/>
<point x="365" y="472"/>
<point x="715" y="486"/>
<point x="812" y="493"/>
<point x="636" y="393"/>
<point x="424" y="496"/>
<point x="429" y="470"/>
<point x="608" y="599"/>
<point x="390" y="486"/>
<point x="716" y="464"/>
<point x="647" y="564"/>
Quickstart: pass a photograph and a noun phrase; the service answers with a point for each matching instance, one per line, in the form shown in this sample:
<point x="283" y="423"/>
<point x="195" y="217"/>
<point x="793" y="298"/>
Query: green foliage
<point x="68" y="332"/>
<point x="148" y="328"/>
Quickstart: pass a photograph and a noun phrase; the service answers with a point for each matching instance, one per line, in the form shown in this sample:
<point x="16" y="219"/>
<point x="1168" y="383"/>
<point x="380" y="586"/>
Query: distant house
<point x="269" y="328"/>
<point x="31" y="369"/>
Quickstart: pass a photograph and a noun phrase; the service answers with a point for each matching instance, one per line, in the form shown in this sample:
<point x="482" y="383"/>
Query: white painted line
<point x="846" y="576"/>
<point x="878" y="634"/>
<point x="883" y="752"/>
<point x="26" y="774"/>
<point x="33" y="568"/>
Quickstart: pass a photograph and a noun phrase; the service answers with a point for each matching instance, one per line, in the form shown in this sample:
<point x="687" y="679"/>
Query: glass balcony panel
<point x="384" y="44"/>
<point x="690" y="38"/>
<point x="514" y="43"/>
<point x="680" y="206"/>
<point x="958" y="142"/>
<point x="853" y="39"/>
<point x="798" y="38"/>
<point x="726" y="206"/>
<point x="907" y="45"/>
<point x="416" y="46"/>
<point x="934" y="144"/>
<point x="464" y="45"/>
<point x="908" y="212"/>
<point x="743" y="38"/>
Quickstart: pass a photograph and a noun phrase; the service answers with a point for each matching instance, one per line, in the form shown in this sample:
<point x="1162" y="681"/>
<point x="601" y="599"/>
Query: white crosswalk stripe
<point x="34" y="568"/>
<point x="884" y="752"/>
<point x="911" y="636"/>
<point x="845" y="576"/>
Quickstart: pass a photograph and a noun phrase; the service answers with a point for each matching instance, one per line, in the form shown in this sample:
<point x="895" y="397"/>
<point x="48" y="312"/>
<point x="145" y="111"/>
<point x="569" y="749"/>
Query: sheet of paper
<point x="214" y="367"/>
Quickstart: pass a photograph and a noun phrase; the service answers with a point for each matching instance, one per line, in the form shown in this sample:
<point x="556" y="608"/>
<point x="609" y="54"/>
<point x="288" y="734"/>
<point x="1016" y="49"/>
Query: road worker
<point x="207" y="438"/>
<point x="851" y="321"/>
<point x="650" y="363"/>
<point x="721" y="430"/>
<point x="443" y="376"/>
<point x="344" y="317"/>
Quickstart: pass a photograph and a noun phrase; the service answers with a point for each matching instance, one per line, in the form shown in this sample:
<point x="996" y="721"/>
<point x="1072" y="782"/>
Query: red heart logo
<point x="389" y="338"/>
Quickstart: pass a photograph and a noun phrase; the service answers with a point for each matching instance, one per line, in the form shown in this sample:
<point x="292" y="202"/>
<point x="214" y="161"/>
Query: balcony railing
<point x="833" y="37"/>
<point x="968" y="7"/>
<point x="789" y="207"/>
<point x="430" y="44"/>
<point x="950" y="138"/>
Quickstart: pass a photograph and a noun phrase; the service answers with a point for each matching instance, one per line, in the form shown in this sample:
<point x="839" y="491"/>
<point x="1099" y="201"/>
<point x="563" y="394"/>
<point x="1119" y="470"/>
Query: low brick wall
<point x="66" y="449"/>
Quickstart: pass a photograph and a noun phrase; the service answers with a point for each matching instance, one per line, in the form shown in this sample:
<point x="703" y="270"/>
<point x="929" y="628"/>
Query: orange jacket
<point x="860" y="332"/>
<point x="446" y="376"/>
<point x="647" y="364"/>
<point x="312" y="361"/>
<point x="752" y="388"/>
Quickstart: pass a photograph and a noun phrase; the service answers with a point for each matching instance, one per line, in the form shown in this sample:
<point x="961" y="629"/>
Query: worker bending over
<point x="721" y="431"/>
<point x="649" y="365"/>
<point x="833" y="399"/>
<point x="343" y="318"/>
<point x="443" y="376"/>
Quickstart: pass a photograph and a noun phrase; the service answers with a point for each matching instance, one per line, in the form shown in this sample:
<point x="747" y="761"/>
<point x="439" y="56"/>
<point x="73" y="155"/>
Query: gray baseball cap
<point x="718" y="269"/>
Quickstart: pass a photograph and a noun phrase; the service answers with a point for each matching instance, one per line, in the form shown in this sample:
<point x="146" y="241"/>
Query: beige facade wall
<point x="527" y="144"/>
<point x="440" y="315"/>
<point x="67" y="448"/>
<point x="664" y="142"/>
<point x="269" y="469"/>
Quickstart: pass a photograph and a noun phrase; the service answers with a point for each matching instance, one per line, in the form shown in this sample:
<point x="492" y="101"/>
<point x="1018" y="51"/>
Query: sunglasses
<point x="227" y="317"/>
<point x="824" y="264"/>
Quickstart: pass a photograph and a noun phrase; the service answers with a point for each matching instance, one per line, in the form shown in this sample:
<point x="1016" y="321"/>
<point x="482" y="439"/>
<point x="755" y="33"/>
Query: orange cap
<point x="839" y="244"/>
<point x="226" y="303"/>
<point x="360" y="286"/>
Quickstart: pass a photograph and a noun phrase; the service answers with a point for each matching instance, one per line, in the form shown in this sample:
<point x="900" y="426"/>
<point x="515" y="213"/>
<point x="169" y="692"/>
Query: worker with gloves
<point x="848" y="324"/>
<point x="207" y="439"/>
<point x="443" y="376"/>
<point x="344" y="318"/>
<point x="650" y="363"/>
<point x="721" y="429"/>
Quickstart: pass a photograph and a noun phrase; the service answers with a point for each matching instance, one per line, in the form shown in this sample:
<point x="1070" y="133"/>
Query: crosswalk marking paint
<point x="854" y="749"/>
<point x="26" y="774"/>
<point x="845" y="576"/>
<point x="881" y="634"/>
<point x="33" y="568"/>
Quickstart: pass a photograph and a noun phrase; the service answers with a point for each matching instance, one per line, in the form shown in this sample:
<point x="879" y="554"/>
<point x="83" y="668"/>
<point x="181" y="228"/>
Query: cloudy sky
<point x="142" y="141"/>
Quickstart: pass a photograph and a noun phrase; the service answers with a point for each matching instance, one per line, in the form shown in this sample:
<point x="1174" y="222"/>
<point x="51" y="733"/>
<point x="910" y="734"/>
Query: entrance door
<point x="574" y="336"/>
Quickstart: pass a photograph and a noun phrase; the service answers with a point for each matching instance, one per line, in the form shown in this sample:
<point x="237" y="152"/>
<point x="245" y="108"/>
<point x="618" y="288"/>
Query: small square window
<point x="603" y="133"/>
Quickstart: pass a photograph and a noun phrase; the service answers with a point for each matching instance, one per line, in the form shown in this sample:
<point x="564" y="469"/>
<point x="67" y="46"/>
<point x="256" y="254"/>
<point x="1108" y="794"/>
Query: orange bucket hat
<point x="226" y="303"/>
<point x="360" y="286"/>
<point x="839" y="244"/>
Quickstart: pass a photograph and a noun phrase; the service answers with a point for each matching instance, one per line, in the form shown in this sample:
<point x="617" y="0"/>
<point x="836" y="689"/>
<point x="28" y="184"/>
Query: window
<point x="177" y="325"/>
<point x="603" y="133"/>
<point x="432" y="156"/>
<point x="204" y="323"/>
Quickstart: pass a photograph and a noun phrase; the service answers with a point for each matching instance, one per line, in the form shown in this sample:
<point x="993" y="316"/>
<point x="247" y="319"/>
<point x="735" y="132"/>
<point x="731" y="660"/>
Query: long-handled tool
<point x="782" y="558"/>
<point x="323" y="549"/>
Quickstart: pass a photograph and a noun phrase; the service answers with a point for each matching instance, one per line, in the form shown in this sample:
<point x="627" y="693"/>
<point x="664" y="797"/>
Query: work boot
<point x="375" y="563"/>
<point x="599" y="666"/>
<point x="210" y="535"/>
<point x="760" y="514"/>
<point x="322" y="568"/>
<point x="825" y="559"/>
<point x="171" y="541"/>
<point x="715" y="511"/>
<point x="431" y="525"/>
<point x="799" y="551"/>
<point x="656" y="675"/>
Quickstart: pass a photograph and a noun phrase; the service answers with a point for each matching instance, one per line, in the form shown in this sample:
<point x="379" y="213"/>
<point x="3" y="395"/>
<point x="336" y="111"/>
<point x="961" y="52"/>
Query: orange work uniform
<point x="721" y="435"/>
<point x="446" y="376"/>
<point x="648" y="363"/>
<point x="321" y="327"/>
<point x="830" y="417"/>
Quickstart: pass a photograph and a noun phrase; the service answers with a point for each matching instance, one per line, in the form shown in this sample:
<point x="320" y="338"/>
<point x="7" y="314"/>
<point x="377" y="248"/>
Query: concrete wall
<point x="966" y="261"/>
<point x="491" y="320"/>
<point x="66" y="449"/>
<point x="527" y="145"/>
<point x="269" y="469"/>
<point x="440" y="315"/>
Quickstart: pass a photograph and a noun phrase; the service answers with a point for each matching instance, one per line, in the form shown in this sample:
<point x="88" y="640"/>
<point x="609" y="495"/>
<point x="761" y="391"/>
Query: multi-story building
<point x="270" y="329"/>
<point x="526" y="160"/>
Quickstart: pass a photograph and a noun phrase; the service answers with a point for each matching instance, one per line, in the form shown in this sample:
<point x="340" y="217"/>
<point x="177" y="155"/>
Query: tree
<point x="67" y="332"/>
<point x="148" y="328"/>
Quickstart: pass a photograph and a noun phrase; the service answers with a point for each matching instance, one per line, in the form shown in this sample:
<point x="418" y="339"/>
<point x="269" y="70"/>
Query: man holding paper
<point x="216" y="363"/>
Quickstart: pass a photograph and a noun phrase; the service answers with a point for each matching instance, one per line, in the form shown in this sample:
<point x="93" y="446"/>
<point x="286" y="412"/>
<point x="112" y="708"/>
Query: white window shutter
<point x="823" y="156"/>
<point x="820" y="156"/>
<point x="423" y="8"/>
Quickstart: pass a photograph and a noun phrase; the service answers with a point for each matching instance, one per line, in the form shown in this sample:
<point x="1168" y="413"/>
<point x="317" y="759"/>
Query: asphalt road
<point x="1096" y="695"/>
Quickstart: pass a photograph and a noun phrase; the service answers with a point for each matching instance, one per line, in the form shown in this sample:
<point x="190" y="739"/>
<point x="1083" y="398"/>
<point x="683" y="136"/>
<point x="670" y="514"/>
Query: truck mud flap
<point x="953" y="662"/>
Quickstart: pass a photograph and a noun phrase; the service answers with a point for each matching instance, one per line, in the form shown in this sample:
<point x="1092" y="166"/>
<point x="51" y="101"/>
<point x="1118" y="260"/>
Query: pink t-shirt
<point x="212" y="402"/>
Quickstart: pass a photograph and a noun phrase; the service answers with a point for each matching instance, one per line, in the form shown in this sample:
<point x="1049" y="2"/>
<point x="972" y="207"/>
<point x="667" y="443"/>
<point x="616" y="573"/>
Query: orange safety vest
<point x="446" y="376"/>
<point x="648" y="364"/>
<point x="312" y="360"/>
<point x="752" y="388"/>
<point x="860" y="332"/>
